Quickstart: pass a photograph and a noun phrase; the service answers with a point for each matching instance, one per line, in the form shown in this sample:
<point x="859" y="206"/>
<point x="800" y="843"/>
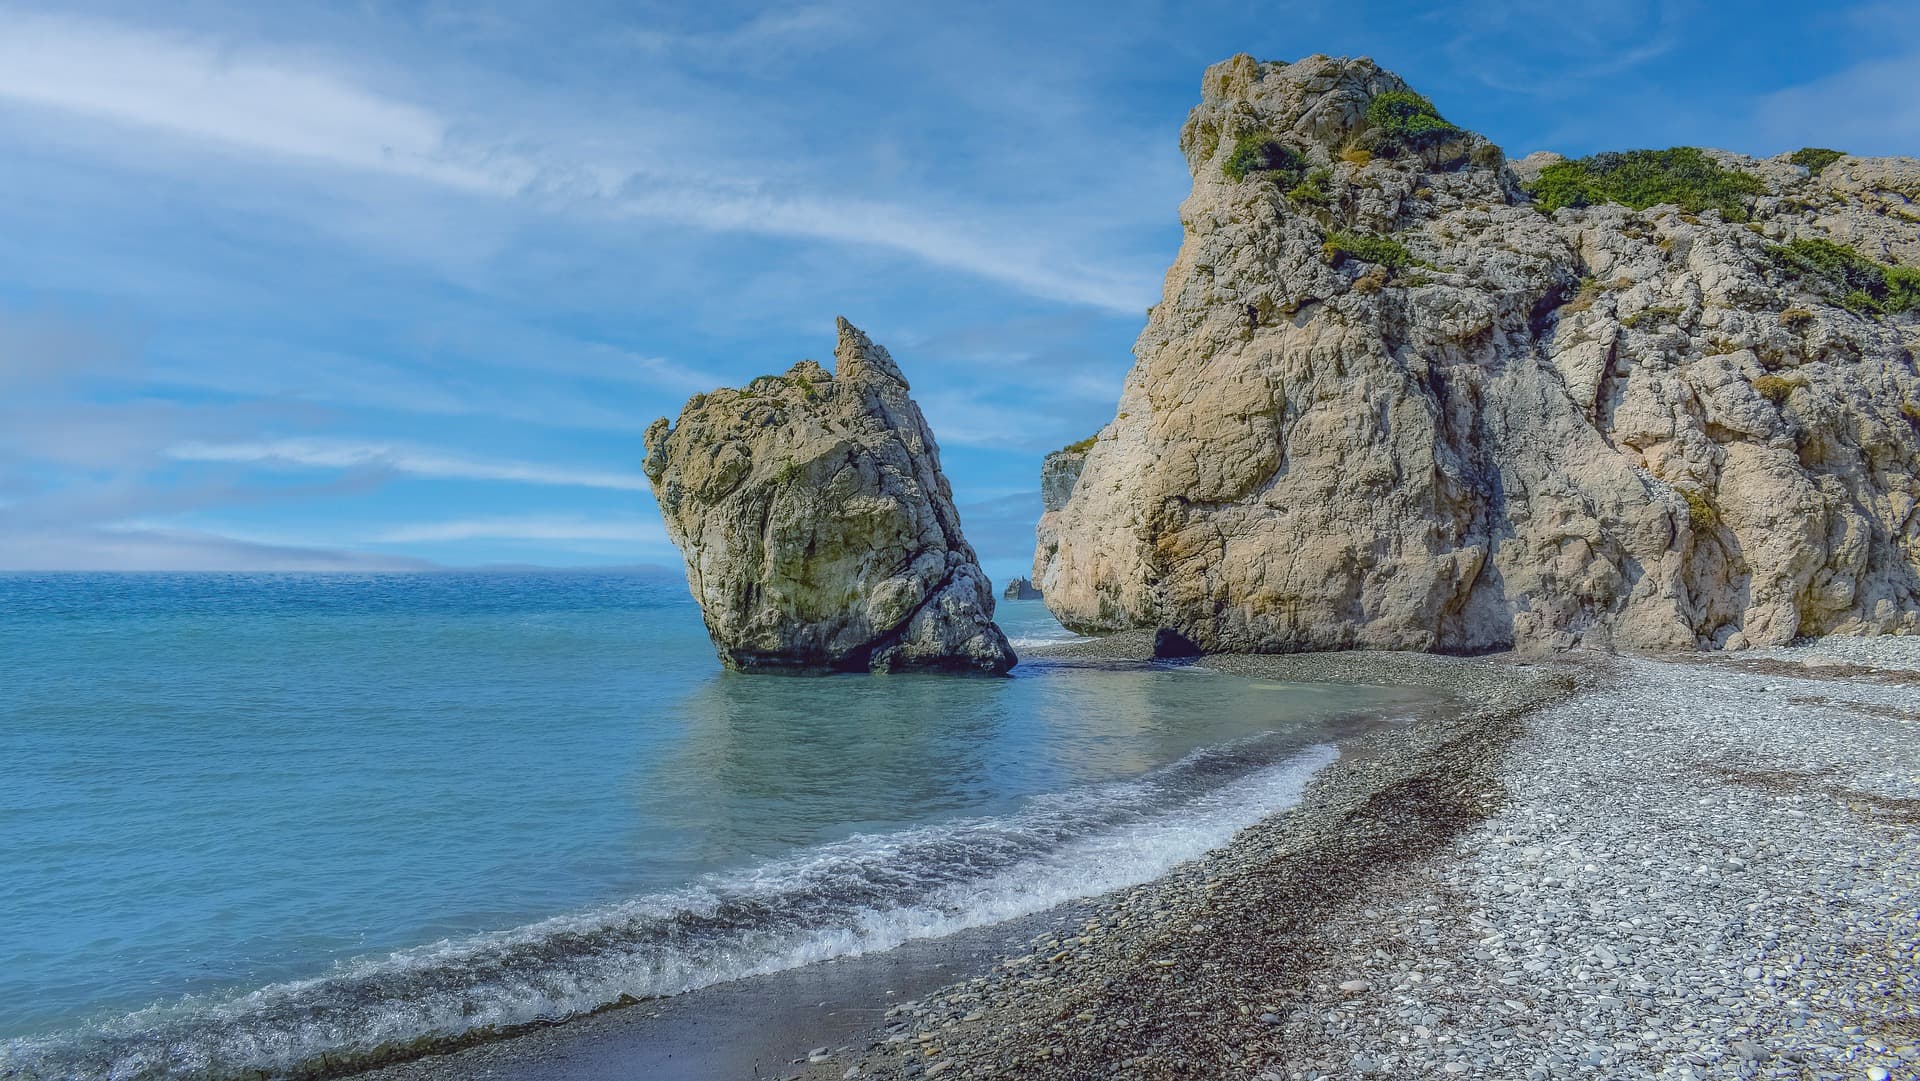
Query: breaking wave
<point x="866" y="893"/>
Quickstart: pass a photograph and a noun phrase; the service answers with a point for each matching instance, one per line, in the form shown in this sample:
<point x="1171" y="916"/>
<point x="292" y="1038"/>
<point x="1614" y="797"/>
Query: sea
<point x="261" y="825"/>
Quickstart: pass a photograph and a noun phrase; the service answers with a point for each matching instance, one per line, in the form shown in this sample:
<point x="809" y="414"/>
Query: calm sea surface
<point x="248" y="821"/>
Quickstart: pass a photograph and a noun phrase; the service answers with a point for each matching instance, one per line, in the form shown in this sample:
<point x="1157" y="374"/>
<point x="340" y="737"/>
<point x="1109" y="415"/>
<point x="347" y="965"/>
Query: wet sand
<point x="753" y="1028"/>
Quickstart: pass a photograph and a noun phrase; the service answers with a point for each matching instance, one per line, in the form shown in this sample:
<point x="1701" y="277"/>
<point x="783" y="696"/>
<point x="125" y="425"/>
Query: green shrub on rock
<point x="1313" y="190"/>
<point x="1639" y="179"/>
<point x="1407" y="119"/>
<point x="1855" y="281"/>
<point x="1775" y="388"/>
<point x="1816" y="158"/>
<point x="1384" y="251"/>
<point x="1263" y="153"/>
<point x="1903" y="289"/>
<point x="1700" y="511"/>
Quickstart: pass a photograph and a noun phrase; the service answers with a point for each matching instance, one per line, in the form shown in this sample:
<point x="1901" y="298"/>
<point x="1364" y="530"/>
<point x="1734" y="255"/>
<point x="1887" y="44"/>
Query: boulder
<point x="818" y="530"/>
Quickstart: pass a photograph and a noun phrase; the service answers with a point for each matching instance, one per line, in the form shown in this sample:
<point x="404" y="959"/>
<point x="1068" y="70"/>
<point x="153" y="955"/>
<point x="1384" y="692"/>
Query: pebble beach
<point x="1601" y="868"/>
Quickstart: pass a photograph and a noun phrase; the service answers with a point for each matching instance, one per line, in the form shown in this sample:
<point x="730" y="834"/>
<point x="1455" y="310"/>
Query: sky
<point x="381" y="286"/>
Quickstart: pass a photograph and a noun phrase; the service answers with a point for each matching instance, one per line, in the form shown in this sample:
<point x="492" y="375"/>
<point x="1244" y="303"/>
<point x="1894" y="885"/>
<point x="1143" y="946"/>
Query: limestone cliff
<point x="818" y="530"/>
<point x="1389" y="401"/>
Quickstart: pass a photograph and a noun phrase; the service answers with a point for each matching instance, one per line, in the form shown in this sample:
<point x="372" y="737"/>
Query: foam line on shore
<point x="866" y="893"/>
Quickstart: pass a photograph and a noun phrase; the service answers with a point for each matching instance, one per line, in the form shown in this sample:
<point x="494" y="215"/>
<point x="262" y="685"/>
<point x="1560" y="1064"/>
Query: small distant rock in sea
<point x="1021" y="589"/>
<point x="818" y="530"/>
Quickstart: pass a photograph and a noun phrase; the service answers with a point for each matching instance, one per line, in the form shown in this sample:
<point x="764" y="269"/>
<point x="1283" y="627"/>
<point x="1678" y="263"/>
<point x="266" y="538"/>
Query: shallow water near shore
<point x="261" y="822"/>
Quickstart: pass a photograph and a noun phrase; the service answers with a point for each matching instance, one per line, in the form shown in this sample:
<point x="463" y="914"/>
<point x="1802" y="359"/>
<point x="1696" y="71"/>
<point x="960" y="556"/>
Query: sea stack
<point x="1020" y="589"/>
<point x="818" y="530"/>
<point x="1400" y="395"/>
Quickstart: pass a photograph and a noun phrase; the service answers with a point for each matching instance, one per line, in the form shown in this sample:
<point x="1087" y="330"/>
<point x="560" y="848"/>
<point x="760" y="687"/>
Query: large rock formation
<point x="818" y="530"/>
<point x="1388" y="402"/>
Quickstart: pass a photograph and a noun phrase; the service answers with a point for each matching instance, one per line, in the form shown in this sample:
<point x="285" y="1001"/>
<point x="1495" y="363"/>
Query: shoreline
<point x="1164" y="978"/>
<point x="1677" y="868"/>
<point x="1554" y="882"/>
<point x="766" y="1026"/>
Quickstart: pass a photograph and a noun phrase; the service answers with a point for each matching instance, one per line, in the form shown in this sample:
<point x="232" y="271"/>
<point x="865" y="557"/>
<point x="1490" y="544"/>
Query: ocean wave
<point x="1031" y="640"/>
<point x="866" y="893"/>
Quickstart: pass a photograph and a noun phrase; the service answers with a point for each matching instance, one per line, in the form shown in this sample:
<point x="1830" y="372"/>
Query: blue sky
<point x="400" y="284"/>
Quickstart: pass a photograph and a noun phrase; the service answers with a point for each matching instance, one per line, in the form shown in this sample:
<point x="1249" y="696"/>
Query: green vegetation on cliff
<point x="1385" y="251"/>
<point x="1407" y="119"/>
<point x="1816" y="158"/>
<point x="1313" y="190"/>
<point x="1263" y="153"/>
<point x="1853" y="280"/>
<point x="1682" y="176"/>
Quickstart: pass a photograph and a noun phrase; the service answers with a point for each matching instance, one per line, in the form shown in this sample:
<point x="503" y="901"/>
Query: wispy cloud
<point x="151" y="549"/>
<point x="1610" y="38"/>
<point x="924" y="234"/>
<point x="1001" y="529"/>
<point x="250" y="100"/>
<point x="401" y="458"/>
<point x="528" y="528"/>
<point x="195" y="88"/>
<point x="1829" y="111"/>
<point x="39" y="349"/>
<point x="787" y="30"/>
<point x="340" y="380"/>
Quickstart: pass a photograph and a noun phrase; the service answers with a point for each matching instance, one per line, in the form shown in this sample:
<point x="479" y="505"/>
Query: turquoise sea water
<point x="248" y="822"/>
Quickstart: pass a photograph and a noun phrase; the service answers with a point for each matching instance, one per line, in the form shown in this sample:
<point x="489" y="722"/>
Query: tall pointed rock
<point x="818" y="530"/>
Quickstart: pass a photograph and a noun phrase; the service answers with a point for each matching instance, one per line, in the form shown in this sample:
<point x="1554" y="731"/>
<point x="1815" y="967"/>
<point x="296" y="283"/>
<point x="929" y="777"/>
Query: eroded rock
<point x="1602" y="427"/>
<point x="818" y="530"/>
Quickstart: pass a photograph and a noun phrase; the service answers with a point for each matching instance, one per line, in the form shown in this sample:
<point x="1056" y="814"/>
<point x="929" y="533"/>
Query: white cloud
<point x="1829" y="112"/>
<point x="535" y="528"/>
<point x="249" y="100"/>
<point x="339" y="379"/>
<point x="38" y="350"/>
<point x="149" y="549"/>
<point x="198" y="89"/>
<point x="917" y="232"/>
<point x="400" y="458"/>
<point x="790" y="29"/>
<point x="1611" y="37"/>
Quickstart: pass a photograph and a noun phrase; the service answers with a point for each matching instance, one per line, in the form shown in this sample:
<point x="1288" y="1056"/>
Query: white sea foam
<point x="867" y="893"/>
<point x="1030" y="641"/>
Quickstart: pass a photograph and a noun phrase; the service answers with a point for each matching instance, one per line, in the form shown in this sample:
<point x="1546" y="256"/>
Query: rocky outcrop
<point x="1020" y="589"/>
<point x="818" y="530"/>
<point x="1059" y="472"/>
<point x="1388" y="402"/>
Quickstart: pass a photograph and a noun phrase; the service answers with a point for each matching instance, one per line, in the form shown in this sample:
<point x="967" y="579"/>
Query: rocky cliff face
<point x="1388" y="402"/>
<point x="1059" y="472"/>
<point x="818" y="530"/>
